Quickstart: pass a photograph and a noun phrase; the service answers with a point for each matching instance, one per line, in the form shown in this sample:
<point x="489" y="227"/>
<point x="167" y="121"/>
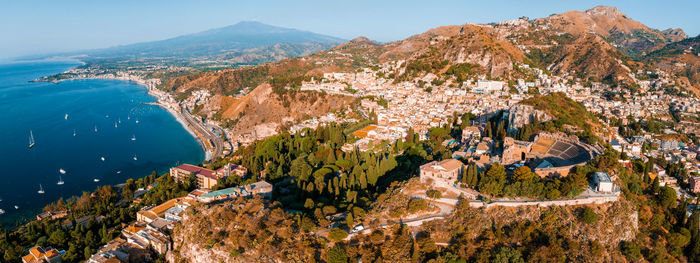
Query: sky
<point x="31" y="27"/>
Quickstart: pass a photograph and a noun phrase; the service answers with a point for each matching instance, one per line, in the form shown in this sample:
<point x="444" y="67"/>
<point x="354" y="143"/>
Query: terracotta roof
<point x="198" y="170"/>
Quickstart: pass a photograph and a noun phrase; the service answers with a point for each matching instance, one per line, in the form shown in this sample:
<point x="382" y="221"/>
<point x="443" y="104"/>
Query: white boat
<point x="41" y="189"/>
<point x="62" y="171"/>
<point x="31" y="139"/>
<point x="128" y="117"/>
<point x="107" y="116"/>
<point x="102" y="158"/>
<point x="16" y="207"/>
<point x="119" y="120"/>
<point x="133" y="138"/>
<point x="66" y="117"/>
<point x="74" y="133"/>
<point x="96" y="180"/>
<point x="137" y="121"/>
<point x="118" y="172"/>
<point x="135" y="158"/>
<point x="2" y="211"/>
<point x="115" y="125"/>
<point x="60" y="181"/>
<point x="95" y="128"/>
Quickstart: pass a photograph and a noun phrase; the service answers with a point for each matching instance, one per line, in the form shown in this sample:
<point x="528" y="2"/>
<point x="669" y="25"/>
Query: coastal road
<point x="212" y="142"/>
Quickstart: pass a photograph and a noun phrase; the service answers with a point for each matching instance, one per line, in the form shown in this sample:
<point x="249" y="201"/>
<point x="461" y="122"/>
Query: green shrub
<point x="434" y="194"/>
<point x="588" y="216"/>
<point x="337" y="234"/>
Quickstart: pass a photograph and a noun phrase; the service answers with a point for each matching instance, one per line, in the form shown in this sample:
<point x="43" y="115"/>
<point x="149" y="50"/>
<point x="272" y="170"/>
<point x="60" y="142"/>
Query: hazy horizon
<point x="45" y="27"/>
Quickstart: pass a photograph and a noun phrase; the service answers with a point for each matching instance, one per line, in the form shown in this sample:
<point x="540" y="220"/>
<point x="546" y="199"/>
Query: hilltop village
<point x="413" y="161"/>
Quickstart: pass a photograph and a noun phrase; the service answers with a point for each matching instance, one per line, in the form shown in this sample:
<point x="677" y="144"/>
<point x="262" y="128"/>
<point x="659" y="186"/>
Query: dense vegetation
<point x="93" y="219"/>
<point x="565" y="112"/>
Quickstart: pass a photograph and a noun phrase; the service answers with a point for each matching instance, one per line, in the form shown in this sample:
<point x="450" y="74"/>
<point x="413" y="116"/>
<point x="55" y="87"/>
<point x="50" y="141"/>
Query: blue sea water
<point x="40" y="107"/>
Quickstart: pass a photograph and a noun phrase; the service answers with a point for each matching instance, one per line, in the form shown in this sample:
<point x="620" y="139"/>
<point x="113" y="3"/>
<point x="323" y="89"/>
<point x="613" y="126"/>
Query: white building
<point x="602" y="182"/>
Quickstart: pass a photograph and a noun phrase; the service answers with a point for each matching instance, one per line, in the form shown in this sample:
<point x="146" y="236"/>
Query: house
<point x="695" y="184"/>
<point x="469" y="133"/>
<point x="39" y="254"/>
<point x="602" y="182"/>
<point x="441" y="174"/>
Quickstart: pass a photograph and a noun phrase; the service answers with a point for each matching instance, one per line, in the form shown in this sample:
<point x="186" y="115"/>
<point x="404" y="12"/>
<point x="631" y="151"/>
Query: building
<point x="441" y="174"/>
<point x="259" y="188"/>
<point x="470" y="132"/>
<point x="40" y="255"/>
<point x="488" y="86"/>
<point x="695" y="184"/>
<point x="148" y="214"/>
<point x="205" y="178"/>
<point x="115" y="251"/>
<point x="602" y="182"/>
<point x="151" y="238"/>
<point x="514" y="150"/>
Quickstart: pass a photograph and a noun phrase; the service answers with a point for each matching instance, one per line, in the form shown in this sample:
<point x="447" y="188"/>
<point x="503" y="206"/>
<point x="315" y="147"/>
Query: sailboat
<point x="133" y="138"/>
<point x="31" y="139"/>
<point x="60" y="180"/>
<point x="41" y="189"/>
<point x="62" y="171"/>
<point x="115" y="125"/>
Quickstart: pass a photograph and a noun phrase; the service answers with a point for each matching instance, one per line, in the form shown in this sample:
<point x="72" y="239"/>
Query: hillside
<point x="262" y="112"/>
<point x="631" y="37"/>
<point x="682" y="58"/>
<point x="565" y="113"/>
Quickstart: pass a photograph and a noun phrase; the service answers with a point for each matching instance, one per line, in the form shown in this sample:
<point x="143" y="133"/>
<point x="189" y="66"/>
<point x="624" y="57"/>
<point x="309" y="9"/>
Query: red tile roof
<point x="198" y="170"/>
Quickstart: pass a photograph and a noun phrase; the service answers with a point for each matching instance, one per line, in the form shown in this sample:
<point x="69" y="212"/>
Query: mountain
<point x="241" y="37"/>
<point x="630" y="36"/>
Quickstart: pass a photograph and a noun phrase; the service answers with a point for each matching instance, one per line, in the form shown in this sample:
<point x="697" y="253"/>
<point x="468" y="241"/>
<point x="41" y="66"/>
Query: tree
<point x="631" y="250"/>
<point x="588" y="216"/>
<point x="667" y="197"/>
<point x="337" y="234"/>
<point x="523" y="173"/>
<point x="337" y="254"/>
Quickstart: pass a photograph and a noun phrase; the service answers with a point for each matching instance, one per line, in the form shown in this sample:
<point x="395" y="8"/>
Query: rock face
<point x="520" y="115"/>
<point x="260" y="113"/>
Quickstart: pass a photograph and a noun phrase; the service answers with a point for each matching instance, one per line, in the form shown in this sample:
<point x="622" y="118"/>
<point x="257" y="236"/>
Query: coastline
<point x="163" y="100"/>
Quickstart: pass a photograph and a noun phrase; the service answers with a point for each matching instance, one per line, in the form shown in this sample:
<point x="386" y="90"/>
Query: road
<point x="212" y="142"/>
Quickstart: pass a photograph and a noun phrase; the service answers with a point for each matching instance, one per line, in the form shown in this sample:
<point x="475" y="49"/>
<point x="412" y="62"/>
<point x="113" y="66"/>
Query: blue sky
<point x="45" y="26"/>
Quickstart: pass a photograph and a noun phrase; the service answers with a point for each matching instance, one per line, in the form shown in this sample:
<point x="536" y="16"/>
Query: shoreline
<point x="149" y="84"/>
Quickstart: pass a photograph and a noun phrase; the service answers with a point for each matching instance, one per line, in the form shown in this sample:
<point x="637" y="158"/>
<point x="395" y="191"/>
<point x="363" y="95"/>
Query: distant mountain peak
<point x="605" y="11"/>
<point x="362" y="39"/>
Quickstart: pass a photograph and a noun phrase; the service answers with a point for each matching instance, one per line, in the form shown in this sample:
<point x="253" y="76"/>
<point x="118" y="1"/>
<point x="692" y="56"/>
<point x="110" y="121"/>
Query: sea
<point x="84" y="131"/>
